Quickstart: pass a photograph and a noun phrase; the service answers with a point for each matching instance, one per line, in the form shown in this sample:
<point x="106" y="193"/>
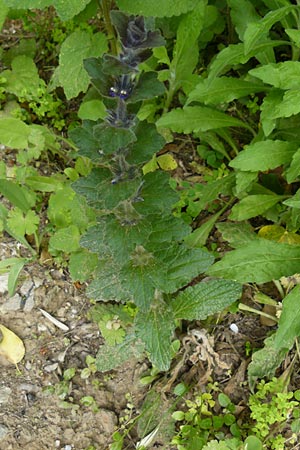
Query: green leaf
<point x="101" y="193"/>
<point x="237" y="234"/>
<point x="109" y="357"/>
<point x="283" y="75"/>
<point x="253" y="205"/>
<point x="148" y="141"/>
<point x="258" y="31"/>
<point x="65" y="10"/>
<point x="293" y="172"/>
<point x="14" y="133"/>
<point x="200" y="235"/>
<point x="289" y="321"/>
<point x="147" y="87"/>
<point x="186" y="53"/>
<point x="3" y="12"/>
<point x="178" y="265"/>
<point x="155" y="328"/>
<point x="111" y="139"/>
<point x="65" y="239"/>
<point x="258" y="262"/>
<point x="264" y="155"/>
<point x="23" y="79"/>
<point x="293" y="202"/>
<point x="265" y="361"/>
<point x="197" y="118"/>
<point x="85" y="140"/>
<point x="222" y="90"/>
<point x="43" y="184"/>
<point x="107" y="285"/>
<point x="156" y="8"/>
<point x="242" y="12"/>
<point x="289" y="105"/>
<point x="81" y="265"/>
<point x="205" y="299"/>
<point x="21" y="223"/>
<point x="14" y="273"/>
<point x="15" y="194"/>
<point x="92" y="110"/>
<point x="78" y="46"/>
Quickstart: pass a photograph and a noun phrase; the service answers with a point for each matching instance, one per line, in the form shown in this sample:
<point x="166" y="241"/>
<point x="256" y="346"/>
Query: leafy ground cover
<point x="152" y="152"/>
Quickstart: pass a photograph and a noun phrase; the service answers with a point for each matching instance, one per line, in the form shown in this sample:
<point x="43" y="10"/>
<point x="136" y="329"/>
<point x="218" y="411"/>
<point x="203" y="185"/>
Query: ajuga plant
<point x="142" y="257"/>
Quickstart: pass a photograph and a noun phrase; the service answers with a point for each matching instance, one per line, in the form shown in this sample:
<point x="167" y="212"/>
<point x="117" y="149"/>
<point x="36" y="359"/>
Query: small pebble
<point x="234" y="328"/>
<point x="3" y="430"/>
<point x="5" y="393"/>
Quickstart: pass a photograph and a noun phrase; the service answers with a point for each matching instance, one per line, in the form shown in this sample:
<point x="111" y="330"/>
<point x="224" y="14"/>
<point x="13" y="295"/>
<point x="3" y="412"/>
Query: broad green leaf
<point x="22" y="223"/>
<point x="293" y="172"/>
<point x="155" y="328"/>
<point x="107" y="285"/>
<point x="237" y="234"/>
<point x="99" y="191"/>
<point x="264" y="155"/>
<point x="223" y="90"/>
<point x="269" y="104"/>
<point x="197" y="118"/>
<point x="85" y="140"/>
<point x="244" y="181"/>
<point x="156" y="8"/>
<point x="205" y="299"/>
<point x="178" y="265"/>
<point x="289" y="321"/>
<point x="44" y="184"/>
<point x="234" y="54"/>
<point x="15" y="194"/>
<point x="257" y="31"/>
<point x="111" y="139"/>
<point x="258" y="262"/>
<point x="186" y="53"/>
<point x="65" y="10"/>
<point x="109" y="357"/>
<point x="210" y="192"/>
<point x="265" y="361"/>
<point x="293" y="202"/>
<point x="253" y="205"/>
<point x="14" y="273"/>
<point x="23" y="79"/>
<point x="148" y="141"/>
<point x="78" y="46"/>
<point x="14" y="133"/>
<point x="3" y="12"/>
<point x="65" y="239"/>
<point x="294" y="35"/>
<point x="147" y="87"/>
<point x="283" y="75"/>
<point x="242" y="12"/>
<point x="92" y="110"/>
<point x="200" y="235"/>
<point x="289" y="105"/>
<point x="81" y="265"/>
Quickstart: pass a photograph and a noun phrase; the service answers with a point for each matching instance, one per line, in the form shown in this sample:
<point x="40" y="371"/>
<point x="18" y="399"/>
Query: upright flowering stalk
<point x="139" y="243"/>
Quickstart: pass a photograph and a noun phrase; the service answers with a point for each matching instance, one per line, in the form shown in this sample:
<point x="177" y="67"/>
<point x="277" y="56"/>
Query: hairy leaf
<point x="78" y="46"/>
<point x="110" y="357"/>
<point x="283" y="75"/>
<point x="81" y="265"/>
<point x="147" y="87"/>
<point x="156" y="8"/>
<point x="289" y="321"/>
<point x="14" y="133"/>
<point x="197" y="118"/>
<point x="85" y="140"/>
<point x="223" y="90"/>
<point x="265" y="361"/>
<point x="258" y="262"/>
<point x="257" y="31"/>
<point x="264" y="155"/>
<point x="148" y="141"/>
<point x="253" y="205"/>
<point x="155" y="328"/>
<point x="65" y="10"/>
<point x="111" y="139"/>
<point x="205" y="298"/>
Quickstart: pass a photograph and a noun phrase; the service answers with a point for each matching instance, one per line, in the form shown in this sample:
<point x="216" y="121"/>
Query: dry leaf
<point x="11" y="346"/>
